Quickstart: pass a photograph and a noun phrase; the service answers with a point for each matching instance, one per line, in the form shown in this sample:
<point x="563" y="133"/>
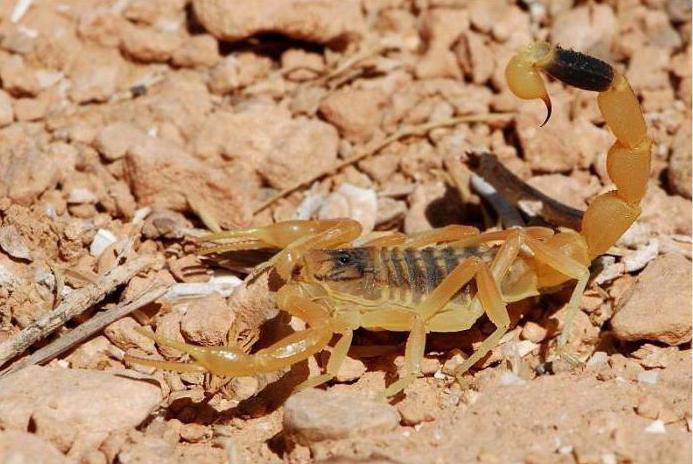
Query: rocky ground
<point x="129" y="126"/>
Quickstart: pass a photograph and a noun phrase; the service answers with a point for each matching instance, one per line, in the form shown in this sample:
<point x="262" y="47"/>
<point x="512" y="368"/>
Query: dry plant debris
<point x="128" y="126"/>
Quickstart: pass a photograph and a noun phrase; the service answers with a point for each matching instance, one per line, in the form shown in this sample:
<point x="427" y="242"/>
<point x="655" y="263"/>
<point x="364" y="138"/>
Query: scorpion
<point x="441" y="280"/>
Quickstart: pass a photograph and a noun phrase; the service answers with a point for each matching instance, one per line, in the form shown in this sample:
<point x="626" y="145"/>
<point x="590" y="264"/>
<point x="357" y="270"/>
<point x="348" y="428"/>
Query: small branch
<point x="370" y="151"/>
<point x="87" y="329"/>
<point x="73" y="305"/>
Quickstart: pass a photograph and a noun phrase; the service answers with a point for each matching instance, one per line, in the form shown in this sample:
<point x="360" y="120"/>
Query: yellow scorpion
<point x="440" y="280"/>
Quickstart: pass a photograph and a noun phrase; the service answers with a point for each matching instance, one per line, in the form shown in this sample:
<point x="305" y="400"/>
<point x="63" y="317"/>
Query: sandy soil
<point x="128" y="127"/>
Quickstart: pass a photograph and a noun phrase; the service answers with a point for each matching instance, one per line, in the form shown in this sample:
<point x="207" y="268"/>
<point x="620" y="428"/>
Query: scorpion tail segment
<point x="628" y="165"/>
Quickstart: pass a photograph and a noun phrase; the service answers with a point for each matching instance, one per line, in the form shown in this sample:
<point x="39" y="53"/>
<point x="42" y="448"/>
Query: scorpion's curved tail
<point x="628" y="160"/>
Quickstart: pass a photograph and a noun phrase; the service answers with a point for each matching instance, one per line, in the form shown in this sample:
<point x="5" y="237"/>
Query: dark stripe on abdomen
<point x="434" y="274"/>
<point x="415" y="274"/>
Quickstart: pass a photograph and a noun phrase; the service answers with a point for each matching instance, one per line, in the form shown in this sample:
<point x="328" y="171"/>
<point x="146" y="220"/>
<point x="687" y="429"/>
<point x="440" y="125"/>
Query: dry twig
<point x="73" y="305"/>
<point x="87" y="329"/>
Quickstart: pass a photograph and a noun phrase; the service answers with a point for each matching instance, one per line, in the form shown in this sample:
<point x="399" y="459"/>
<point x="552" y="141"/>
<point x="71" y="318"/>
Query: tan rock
<point x="647" y="68"/>
<point x="30" y="109"/>
<point x="659" y="306"/>
<point x="679" y="171"/>
<point x="207" y="321"/>
<point x="123" y="334"/>
<point x="351" y="370"/>
<point x="478" y="56"/>
<point x="237" y="71"/>
<point x="197" y="51"/>
<point x="417" y="406"/>
<point x="19" y="178"/>
<point x="179" y="175"/>
<point x="95" y="76"/>
<point x="299" y="65"/>
<point x="153" y="11"/>
<point x="356" y="113"/>
<point x="147" y="44"/>
<point x="89" y="401"/>
<point x="114" y="139"/>
<point x="281" y="149"/>
<point x="567" y="190"/>
<point x="441" y="28"/>
<point x="319" y="21"/>
<point x="668" y="214"/>
<point x="168" y="326"/>
<point x="533" y="332"/>
<point x="55" y="430"/>
<point x="6" y="110"/>
<point x="316" y="415"/>
<point x="589" y="29"/>
<point x="25" y="448"/>
<point x="17" y="78"/>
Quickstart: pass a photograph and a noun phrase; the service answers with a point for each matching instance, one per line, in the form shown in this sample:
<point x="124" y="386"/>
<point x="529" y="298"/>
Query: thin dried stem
<point x="88" y="328"/>
<point x="73" y="305"/>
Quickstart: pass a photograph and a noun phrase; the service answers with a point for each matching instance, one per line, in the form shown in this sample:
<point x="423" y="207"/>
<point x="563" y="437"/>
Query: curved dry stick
<point x="514" y="190"/>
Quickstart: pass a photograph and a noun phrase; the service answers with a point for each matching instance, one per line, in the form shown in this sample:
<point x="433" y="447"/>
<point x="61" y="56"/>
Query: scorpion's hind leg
<point x="294" y="238"/>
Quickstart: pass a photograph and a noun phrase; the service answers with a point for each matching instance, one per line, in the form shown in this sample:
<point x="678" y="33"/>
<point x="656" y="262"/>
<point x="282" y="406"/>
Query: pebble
<point x="350" y="201"/>
<point x="659" y="306"/>
<point x="356" y="113"/>
<point x="102" y="240"/>
<point x="6" y="110"/>
<point x="533" y="332"/>
<point x="207" y="321"/>
<point x="679" y="171"/>
<point x="316" y="415"/>
<point x="122" y="334"/>
<point x="114" y="140"/>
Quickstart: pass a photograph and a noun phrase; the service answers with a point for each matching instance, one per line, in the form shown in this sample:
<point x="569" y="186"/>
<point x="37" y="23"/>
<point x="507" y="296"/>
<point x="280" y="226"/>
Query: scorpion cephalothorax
<point x="441" y="280"/>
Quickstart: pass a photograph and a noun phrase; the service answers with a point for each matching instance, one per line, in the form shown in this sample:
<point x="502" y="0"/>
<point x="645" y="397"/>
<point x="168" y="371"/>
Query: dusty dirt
<point x="128" y="126"/>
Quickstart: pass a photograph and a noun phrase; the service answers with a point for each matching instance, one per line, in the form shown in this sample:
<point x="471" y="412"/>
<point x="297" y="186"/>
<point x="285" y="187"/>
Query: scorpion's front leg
<point x="227" y="361"/>
<point x="293" y="237"/>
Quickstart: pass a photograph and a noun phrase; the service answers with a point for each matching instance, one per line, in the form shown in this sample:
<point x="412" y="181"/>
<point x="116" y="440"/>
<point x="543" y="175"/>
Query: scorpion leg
<point x="553" y="257"/>
<point x="449" y="233"/>
<point x="294" y="237"/>
<point x="337" y="357"/>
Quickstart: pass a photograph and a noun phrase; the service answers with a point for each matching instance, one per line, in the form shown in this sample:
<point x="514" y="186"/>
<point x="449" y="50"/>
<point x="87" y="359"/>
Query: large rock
<point x="82" y="400"/>
<point x="319" y="21"/>
<point x="658" y="306"/>
<point x="163" y="175"/>
<point x="316" y="415"/>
